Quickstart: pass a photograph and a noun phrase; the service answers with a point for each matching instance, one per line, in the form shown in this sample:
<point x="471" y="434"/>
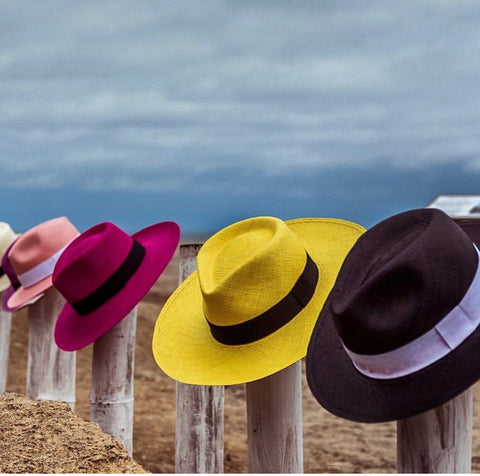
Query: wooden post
<point x="274" y="422"/>
<point x="5" y="329"/>
<point x="439" y="440"/>
<point x="199" y="425"/>
<point x="111" y="394"/>
<point x="50" y="371"/>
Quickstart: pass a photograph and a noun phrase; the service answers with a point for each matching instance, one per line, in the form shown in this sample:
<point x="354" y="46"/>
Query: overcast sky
<point x="207" y="112"/>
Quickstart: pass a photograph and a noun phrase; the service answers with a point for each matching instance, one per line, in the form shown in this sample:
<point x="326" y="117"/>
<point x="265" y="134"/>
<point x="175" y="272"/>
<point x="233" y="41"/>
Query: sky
<point x="210" y="112"/>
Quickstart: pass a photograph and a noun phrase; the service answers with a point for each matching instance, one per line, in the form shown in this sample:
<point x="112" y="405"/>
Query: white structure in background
<point x="457" y="206"/>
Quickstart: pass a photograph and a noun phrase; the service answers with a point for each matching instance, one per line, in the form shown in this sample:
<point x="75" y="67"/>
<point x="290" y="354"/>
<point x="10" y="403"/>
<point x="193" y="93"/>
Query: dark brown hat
<point x="398" y="334"/>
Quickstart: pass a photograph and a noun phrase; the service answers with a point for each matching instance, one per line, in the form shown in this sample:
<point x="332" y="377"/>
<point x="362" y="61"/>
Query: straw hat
<point x="33" y="257"/>
<point x="249" y="310"/>
<point x="103" y="274"/>
<point x="7" y="237"/>
<point x="399" y="334"/>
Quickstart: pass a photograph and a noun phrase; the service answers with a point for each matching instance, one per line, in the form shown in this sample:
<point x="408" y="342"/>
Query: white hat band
<point x="41" y="271"/>
<point x="447" y="335"/>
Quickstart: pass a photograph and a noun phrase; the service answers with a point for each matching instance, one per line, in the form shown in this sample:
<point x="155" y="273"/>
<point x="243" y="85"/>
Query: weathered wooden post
<point x="199" y="425"/>
<point x="5" y="329"/>
<point x="50" y="371"/>
<point x="439" y="440"/>
<point x="111" y="394"/>
<point x="274" y="422"/>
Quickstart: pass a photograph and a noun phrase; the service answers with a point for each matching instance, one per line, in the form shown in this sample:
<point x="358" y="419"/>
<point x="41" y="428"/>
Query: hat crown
<point x="40" y="243"/>
<point x="247" y="268"/>
<point x="90" y="260"/>
<point x="400" y="279"/>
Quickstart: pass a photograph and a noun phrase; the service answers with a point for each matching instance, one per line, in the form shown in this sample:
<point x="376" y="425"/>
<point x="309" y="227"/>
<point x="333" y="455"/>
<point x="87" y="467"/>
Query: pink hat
<point x="103" y="274"/>
<point x="33" y="257"/>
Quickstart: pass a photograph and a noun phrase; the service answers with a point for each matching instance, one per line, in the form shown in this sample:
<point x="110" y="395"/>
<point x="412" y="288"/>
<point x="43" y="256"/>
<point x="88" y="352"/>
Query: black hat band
<point x="275" y="317"/>
<point x="114" y="283"/>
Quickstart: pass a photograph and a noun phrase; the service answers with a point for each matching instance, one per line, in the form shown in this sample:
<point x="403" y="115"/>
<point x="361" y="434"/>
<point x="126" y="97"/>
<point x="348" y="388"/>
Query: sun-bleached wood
<point x="50" y="371"/>
<point x="199" y="429"/>
<point x="274" y="422"/>
<point x="439" y="440"/>
<point x="5" y="330"/>
<point x="199" y="425"/>
<point x="111" y="392"/>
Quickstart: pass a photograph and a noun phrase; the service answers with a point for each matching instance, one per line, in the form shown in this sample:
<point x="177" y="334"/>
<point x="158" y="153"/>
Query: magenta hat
<point x="103" y="274"/>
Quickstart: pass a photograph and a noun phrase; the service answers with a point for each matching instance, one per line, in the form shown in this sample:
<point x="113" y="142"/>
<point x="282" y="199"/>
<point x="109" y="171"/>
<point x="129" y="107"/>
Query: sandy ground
<point x="38" y="443"/>
<point x="331" y="444"/>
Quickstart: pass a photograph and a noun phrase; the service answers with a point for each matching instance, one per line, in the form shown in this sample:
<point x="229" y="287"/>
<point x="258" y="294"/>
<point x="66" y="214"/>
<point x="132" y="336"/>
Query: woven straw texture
<point x="244" y="270"/>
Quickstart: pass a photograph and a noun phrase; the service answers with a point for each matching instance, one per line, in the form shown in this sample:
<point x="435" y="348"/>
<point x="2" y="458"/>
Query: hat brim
<point x="342" y="390"/>
<point x="185" y="349"/>
<point x="23" y="296"/>
<point x="73" y="331"/>
<point x="6" y="296"/>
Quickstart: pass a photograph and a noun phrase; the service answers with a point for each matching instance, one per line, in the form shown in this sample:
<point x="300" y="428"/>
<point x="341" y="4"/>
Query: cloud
<point x="122" y="95"/>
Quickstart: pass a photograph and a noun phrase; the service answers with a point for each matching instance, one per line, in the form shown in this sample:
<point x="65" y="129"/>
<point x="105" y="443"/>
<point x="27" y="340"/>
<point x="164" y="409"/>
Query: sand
<point x="34" y="440"/>
<point x="331" y="444"/>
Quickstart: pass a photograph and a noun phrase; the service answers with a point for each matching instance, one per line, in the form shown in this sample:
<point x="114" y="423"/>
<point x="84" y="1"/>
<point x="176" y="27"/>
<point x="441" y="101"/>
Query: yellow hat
<point x="250" y="308"/>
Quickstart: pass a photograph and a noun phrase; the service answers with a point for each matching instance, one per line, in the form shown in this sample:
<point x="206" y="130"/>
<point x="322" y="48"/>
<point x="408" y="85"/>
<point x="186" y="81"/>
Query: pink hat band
<point x="96" y="266"/>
